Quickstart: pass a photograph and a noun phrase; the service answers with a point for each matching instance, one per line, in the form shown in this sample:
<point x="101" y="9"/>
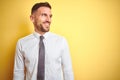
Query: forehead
<point x="44" y="10"/>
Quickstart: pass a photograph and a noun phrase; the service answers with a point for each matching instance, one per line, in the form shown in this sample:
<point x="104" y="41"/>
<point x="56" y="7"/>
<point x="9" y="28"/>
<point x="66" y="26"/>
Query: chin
<point x="46" y="30"/>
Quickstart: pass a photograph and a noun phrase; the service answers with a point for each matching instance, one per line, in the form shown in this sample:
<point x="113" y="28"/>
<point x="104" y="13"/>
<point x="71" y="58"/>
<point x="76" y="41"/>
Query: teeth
<point x="47" y="23"/>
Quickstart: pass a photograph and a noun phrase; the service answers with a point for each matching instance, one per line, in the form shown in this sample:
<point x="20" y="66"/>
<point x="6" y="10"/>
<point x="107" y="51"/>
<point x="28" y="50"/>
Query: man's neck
<point x="41" y="33"/>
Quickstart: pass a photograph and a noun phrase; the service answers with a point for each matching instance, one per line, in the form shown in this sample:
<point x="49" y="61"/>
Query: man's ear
<point x="32" y="18"/>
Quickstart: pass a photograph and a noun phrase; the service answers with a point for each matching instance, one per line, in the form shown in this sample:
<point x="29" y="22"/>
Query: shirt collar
<point x="37" y="35"/>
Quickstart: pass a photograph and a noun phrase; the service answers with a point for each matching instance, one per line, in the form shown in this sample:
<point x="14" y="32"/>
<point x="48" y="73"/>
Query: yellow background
<point x="92" y="28"/>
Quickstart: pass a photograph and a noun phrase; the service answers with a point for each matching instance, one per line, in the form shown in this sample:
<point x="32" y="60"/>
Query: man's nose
<point x="49" y="18"/>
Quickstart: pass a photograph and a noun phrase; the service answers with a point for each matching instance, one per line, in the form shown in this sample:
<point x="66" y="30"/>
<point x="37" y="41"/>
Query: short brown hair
<point x="38" y="5"/>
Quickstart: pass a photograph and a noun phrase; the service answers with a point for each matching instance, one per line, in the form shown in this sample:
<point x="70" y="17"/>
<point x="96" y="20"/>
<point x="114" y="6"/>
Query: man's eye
<point x="43" y="14"/>
<point x="50" y="16"/>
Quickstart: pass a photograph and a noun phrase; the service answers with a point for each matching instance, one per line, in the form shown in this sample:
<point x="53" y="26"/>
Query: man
<point x="42" y="55"/>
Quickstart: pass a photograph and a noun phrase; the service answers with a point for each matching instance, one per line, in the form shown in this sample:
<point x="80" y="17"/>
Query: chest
<point x="53" y="51"/>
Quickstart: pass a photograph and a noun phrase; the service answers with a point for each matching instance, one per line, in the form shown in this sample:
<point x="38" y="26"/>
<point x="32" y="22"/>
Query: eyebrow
<point x="46" y="14"/>
<point x="51" y="15"/>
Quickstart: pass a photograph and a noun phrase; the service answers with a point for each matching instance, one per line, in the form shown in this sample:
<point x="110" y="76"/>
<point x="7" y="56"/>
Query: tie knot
<point x="41" y="37"/>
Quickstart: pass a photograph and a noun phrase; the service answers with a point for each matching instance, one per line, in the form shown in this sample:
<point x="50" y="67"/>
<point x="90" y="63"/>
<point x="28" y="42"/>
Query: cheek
<point x="41" y="20"/>
<point x="38" y="21"/>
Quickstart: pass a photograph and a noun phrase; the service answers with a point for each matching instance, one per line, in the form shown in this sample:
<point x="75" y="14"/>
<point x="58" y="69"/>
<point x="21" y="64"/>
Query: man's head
<point x="41" y="17"/>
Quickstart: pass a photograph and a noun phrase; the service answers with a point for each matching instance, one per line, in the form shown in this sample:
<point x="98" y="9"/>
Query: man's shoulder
<point x="26" y="38"/>
<point x="56" y="36"/>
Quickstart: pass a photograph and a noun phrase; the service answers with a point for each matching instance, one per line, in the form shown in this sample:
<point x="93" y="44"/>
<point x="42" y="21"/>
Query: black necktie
<point x="41" y="60"/>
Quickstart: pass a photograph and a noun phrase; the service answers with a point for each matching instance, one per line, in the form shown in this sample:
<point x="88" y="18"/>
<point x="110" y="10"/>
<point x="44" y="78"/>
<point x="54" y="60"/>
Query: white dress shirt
<point x="57" y="58"/>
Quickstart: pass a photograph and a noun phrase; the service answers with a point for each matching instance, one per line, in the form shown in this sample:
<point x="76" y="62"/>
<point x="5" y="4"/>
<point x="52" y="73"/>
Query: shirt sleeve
<point x="18" y="73"/>
<point x="66" y="62"/>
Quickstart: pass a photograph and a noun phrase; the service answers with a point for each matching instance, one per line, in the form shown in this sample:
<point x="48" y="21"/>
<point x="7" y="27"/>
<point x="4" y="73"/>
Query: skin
<point x="41" y="19"/>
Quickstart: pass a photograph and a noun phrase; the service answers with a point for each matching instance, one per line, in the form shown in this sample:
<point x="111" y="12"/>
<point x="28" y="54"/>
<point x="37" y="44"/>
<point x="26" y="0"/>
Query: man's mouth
<point x="47" y="23"/>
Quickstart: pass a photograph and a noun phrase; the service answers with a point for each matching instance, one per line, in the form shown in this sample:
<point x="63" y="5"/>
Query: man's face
<point x="42" y="19"/>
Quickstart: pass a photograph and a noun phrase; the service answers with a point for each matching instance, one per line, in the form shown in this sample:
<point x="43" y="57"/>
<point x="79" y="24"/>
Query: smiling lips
<point x="47" y="23"/>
